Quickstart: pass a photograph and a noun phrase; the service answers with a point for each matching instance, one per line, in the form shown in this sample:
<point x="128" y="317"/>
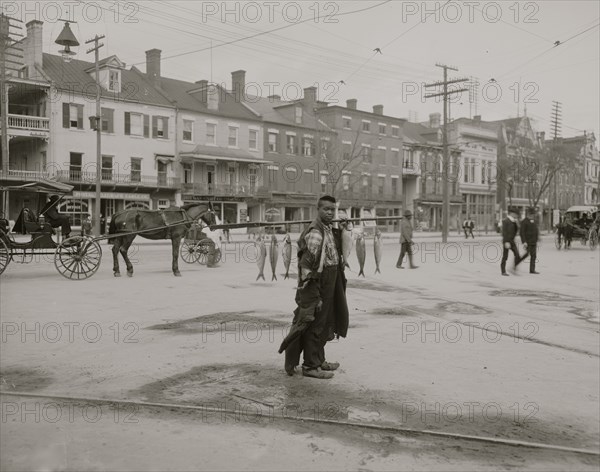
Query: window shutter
<point x="154" y="126"/>
<point x="79" y="116"/>
<point x="166" y="126"/>
<point x="127" y="123"/>
<point x="146" y="126"/>
<point x="66" y="117"/>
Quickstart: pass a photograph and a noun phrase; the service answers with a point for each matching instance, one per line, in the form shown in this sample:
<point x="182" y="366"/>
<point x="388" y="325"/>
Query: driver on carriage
<point x="55" y="218"/>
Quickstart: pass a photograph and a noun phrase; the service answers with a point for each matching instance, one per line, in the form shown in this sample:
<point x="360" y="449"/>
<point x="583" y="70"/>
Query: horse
<point x="171" y="223"/>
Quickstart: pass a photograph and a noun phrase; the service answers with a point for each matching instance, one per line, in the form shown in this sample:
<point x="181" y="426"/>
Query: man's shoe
<point x="330" y="365"/>
<point x="534" y="272"/>
<point x="289" y="369"/>
<point x="505" y="274"/>
<point x="414" y="267"/>
<point x="399" y="267"/>
<point x="317" y="373"/>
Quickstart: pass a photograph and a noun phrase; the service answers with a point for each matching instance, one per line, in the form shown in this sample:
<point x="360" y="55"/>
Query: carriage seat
<point x="32" y="223"/>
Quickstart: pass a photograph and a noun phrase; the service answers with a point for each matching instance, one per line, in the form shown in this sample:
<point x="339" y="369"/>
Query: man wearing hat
<point x="529" y="237"/>
<point x="55" y="218"/>
<point x="406" y="232"/>
<point x="510" y="228"/>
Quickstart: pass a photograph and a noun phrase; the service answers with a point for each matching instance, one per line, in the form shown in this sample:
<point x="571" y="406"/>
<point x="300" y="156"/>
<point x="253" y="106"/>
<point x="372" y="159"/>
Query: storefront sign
<point x="114" y="195"/>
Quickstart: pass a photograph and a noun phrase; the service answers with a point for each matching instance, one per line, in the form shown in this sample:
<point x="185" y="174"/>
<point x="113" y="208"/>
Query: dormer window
<point x="298" y="115"/>
<point x="114" y="80"/>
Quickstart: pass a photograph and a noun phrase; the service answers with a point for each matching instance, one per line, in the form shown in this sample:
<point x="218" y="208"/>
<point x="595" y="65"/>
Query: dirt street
<point x="169" y="373"/>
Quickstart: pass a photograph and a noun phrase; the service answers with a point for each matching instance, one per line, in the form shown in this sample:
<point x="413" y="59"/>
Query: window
<point x="366" y="126"/>
<point x="160" y="127"/>
<point x="211" y="133"/>
<point x="307" y="147"/>
<point x="395" y="157"/>
<point x="253" y="139"/>
<point x="107" y="167"/>
<point x="252" y="177"/>
<point x="162" y="204"/>
<point x="188" y="130"/>
<point x="324" y="148"/>
<point x="187" y="173"/>
<point x="323" y="183"/>
<point x="394" y="186"/>
<point x="72" y="115"/>
<point x="346" y="181"/>
<point x="108" y="125"/>
<point x="136" y="169"/>
<point x="298" y="115"/>
<point x="395" y="131"/>
<point x="114" y="81"/>
<point x="380" y="185"/>
<point x="273" y="138"/>
<point x="382" y="128"/>
<point x="366" y="153"/>
<point x="347" y="122"/>
<point x="137" y="124"/>
<point x="483" y="171"/>
<point x="233" y="136"/>
<point x="466" y="176"/>
<point x="347" y="151"/>
<point x="230" y="175"/>
<point x="291" y="144"/>
<point x="75" y="159"/>
<point x="162" y="173"/>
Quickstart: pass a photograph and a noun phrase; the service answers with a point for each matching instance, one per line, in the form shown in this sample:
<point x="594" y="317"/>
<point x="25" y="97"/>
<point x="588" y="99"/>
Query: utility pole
<point x="446" y="158"/>
<point x="555" y="123"/>
<point x="98" y="122"/>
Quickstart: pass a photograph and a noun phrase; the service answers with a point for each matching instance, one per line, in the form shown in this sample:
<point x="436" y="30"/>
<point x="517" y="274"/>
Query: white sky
<point x="519" y="47"/>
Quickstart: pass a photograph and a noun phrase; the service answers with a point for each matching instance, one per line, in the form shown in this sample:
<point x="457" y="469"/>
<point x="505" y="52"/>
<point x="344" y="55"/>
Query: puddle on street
<point x="23" y="380"/>
<point x="463" y="308"/>
<point x="226" y="321"/>
<point x="250" y="389"/>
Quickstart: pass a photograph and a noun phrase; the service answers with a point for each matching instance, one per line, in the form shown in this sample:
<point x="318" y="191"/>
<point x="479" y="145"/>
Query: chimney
<point x="434" y="120"/>
<point x="274" y="97"/>
<point x="238" y="84"/>
<point x="310" y="94"/>
<point x="203" y="92"/>
<point x="153" y="65"/>
<point x="351" y="104"/>
<point x="378" y="109"/>
<point x="32" y="50"/>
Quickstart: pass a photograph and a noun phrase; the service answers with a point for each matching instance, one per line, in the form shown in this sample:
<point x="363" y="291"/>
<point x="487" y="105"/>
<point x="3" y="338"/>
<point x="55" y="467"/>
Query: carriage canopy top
<point x="41" y="186"/>
<point x="583" y="208"/>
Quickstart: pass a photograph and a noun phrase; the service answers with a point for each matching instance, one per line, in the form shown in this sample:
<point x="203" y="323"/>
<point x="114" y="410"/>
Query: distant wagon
<point x="581" y="223"/>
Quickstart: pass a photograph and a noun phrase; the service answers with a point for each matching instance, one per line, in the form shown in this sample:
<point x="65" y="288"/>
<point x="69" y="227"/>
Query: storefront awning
<point x="216" y="153"/>
<point x="41" y="186"/>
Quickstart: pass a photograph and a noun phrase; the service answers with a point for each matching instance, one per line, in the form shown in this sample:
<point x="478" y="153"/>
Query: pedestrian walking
<point x="406" y="241"/>
<point x="510" y="228"/>
<point x="322" y="311"/>
<point x="529" y="233"/>
<point x="468" y="227"/>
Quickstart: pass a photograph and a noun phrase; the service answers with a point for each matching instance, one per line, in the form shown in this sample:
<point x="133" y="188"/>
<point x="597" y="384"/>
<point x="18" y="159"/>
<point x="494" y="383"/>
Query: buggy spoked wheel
<point x="78" y="258"/>
<point x="5" y="256"/>
<point x="205" y="248"/>
<point x="557" y="241"/>
<point x="593" y="239"/>
<point x="189" y="252"/>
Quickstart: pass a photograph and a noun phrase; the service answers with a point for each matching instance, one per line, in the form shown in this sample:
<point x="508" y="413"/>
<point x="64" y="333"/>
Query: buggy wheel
<point x="5" y="256"/>
<point x="558" y="241"/>
<point x="78" y="258"/>
<point x="206" y="249"/>
<point x="189" y="253"/>
<point x="593" y="239"/>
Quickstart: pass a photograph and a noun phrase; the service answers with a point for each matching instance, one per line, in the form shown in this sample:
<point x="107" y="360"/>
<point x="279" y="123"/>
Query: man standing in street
<point x="406" y="232"/>
<point x="529" y="237"/>
<point x="510" y="228"/>
<point x="322" y="312"/>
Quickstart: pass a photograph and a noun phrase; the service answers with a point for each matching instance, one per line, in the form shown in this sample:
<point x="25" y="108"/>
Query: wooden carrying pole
<point x="258" y="224"/>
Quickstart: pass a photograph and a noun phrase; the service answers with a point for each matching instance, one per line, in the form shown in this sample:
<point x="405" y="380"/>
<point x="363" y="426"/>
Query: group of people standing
<point x="528" y="230"/>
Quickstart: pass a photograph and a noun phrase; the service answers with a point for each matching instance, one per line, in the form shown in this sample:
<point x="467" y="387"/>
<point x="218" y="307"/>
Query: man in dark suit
<point x="510" y="228"/>
<point x="50" y="212"/>
<point x="529" y="237"/>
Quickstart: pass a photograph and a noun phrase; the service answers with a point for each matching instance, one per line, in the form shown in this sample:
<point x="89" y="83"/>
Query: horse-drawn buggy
<point x="75" y="258"/>
<point x="578" y="223"/>
<point x="202" y="245"/>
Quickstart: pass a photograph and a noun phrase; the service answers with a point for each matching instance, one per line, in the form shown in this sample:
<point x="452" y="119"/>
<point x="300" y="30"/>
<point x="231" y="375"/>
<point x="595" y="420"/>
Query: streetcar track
<point x="403" y="431"/>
